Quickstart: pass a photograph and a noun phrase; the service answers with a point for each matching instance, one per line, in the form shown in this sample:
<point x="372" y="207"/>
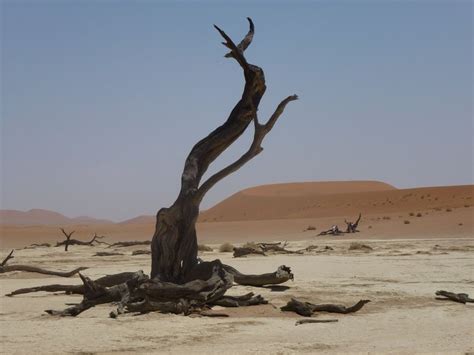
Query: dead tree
<point x="180" y="282"/>
<point x="174" y="244"/>
<point x="29" y="268"/>
<point x="68" y="238"/>
<point x="69" y="241"/>
<point x="352" y="227"/>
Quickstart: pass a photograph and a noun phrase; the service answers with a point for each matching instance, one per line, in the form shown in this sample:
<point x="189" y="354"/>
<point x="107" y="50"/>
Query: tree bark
<point x="174" y="243"/>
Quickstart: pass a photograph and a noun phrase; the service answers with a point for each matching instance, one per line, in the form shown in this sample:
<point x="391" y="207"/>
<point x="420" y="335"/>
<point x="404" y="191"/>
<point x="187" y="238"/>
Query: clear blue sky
<point x="102" y="100"/>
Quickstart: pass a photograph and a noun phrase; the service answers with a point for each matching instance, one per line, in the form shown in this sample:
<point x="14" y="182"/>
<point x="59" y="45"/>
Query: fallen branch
<point x="105" y="253"/>
<point x="28" y="268"/>
<point x="243" y="251"/>
<point x="106" y="281"/>
<point x="306" y="321"/>
<point x="130" y="243"/>
<point x="282" y="275"/>
<point x="456" y="297"/>
<point x="307" y="309"/>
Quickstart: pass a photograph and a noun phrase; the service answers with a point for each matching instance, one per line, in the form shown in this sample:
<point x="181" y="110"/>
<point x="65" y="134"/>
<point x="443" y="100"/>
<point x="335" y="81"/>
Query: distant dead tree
<point x="352" y="226"/>
<point x="69" y="241"/>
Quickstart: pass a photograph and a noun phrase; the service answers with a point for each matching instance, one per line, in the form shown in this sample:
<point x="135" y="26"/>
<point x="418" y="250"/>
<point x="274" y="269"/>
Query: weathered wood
<point x="106" y="281"/>
<point x="69" y="241"/>
<point x="248" y="299"/>
<point x="29" y="268"/>
<point x="106" y="253"/>
<point x="456" y="297"/>
<point x="130" y="243"/>
<point x="8" y="257"/>
<point x="243" y="251"/>
<point x="307" y="309"/>
<point x="174" y="244"/>
<point x="141" y="252"/>
<point x="281" y="275"/>
<point x="306" y="321"/>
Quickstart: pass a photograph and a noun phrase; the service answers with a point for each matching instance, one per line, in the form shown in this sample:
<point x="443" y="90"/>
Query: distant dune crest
<point x="44" y="217"/>
<point x="316" y="188"/>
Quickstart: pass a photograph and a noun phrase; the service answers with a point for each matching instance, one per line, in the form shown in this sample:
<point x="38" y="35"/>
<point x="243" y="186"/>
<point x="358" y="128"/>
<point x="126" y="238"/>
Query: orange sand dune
<point x="277" y="201"/>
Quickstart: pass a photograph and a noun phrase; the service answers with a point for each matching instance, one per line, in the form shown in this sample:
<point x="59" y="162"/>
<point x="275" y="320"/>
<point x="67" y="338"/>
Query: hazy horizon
<point x="102" y="102"/>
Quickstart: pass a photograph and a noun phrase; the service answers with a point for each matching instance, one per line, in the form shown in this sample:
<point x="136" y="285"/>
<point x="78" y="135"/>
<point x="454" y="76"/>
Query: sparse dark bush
<point x="310" y="228"/>
<point x="411" y="214"/>
<point x="449" y="210"/>
<point x="226" y="248"/>
<point x="406" y="222"/>
<point x="419" y="214"/>
<point x="203" y="247"/>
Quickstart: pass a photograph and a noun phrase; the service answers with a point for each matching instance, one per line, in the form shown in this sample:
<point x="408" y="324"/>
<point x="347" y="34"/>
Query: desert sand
<point x="398" y="276"/>
<point x="421" y="239"/>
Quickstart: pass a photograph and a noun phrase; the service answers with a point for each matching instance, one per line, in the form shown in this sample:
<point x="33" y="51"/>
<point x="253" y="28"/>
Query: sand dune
<point x="273" y="202"/>
<point x="44" y="217"/>
<point x="256" y="214"/>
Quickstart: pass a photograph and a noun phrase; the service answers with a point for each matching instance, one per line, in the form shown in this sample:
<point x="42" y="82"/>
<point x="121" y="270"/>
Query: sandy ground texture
<point x="400" y="277"/>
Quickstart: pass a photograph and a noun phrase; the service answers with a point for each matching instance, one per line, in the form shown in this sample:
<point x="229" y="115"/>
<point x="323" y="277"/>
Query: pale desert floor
<point x="399" y="276"/>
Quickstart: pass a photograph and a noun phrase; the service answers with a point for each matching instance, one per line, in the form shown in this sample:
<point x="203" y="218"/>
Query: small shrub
<point x="386" y="217"/>
<point x="419" y="214"/>
<point x="226" y="248"/>
<point x="411" y="214"/>
<point x="460" y="224"/>
<point x="467" y="206"/>
<point x="406" y="222"/>
<point x="310" y="228"/>
<point x="203" y="247"/>
<point x="369" y="227"/>
<point x="449" y="210"/>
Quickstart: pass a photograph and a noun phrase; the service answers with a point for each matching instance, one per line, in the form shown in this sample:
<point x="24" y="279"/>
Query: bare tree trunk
<point x="174" y="243"/>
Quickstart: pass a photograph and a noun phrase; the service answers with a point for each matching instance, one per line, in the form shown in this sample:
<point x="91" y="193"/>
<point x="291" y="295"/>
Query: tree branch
<point x="255" y="148"/>
<point x="210" y="147"/>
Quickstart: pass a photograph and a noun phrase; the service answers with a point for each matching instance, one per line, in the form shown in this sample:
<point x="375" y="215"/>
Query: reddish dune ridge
<point x="325" y="199"/>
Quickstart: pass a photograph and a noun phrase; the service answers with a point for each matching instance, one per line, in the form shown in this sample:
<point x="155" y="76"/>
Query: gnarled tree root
<point x="456" y="297"/>
<point x="307" y="309"/>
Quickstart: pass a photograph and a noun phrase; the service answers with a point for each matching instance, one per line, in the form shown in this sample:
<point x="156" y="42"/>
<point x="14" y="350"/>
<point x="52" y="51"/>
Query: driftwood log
<point x="307" y="309"/>
<point x="456" y="297"/>
<point x="29" y="268"/>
